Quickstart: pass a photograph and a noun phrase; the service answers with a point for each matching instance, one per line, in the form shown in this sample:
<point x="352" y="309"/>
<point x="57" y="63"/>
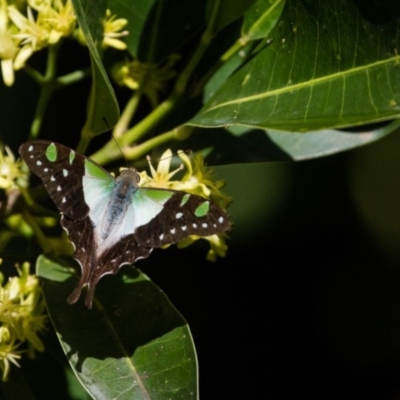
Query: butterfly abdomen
<point x="118" y="205"/>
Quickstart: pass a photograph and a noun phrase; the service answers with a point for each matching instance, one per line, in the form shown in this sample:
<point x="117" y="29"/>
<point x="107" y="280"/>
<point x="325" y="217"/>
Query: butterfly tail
<point x="81" y="235"/>
<point x="74" y="296"/>
<point x="93" y="266"/>
<point x="90" y="282"/>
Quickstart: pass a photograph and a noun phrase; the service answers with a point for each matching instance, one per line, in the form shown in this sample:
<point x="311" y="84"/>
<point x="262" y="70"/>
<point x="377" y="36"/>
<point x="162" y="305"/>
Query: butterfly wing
<point x="180" y="216"/>
<point x="62" y="170"/>
<point x="81" y="234"/>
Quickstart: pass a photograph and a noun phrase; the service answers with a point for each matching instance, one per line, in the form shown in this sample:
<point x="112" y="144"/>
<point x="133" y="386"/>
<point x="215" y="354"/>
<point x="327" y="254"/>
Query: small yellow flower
<point x="34" y="34"/>
<point x="21" y="315"/>
<point x="38" y="4"/>
<point x="8" y="351"/>
<point x="11" y="173"/>
<point x="153" y="78"/>
<point x="218" y="246"/>
<point x="61" y="18"/>
<point x="8" y="45"/>
<point x="160" y="177"/>
<point x="197" y="180"/>
<point x="112" y="31"/>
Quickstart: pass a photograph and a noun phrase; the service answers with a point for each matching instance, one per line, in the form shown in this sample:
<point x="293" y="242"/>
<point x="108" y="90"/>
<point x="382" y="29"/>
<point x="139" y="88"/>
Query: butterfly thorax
<point x="120" y="199"/>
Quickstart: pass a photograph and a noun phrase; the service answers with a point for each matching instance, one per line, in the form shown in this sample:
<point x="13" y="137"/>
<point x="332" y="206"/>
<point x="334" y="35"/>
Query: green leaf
<point x="326" y="67"/>
<point x="258" y="22"/>
<point x="103" y="104"/>
<point x="133" y="344"/>
<point x="303" y="146"/>
<point x="261" y="18"/>
<point x="136" y="12"/>
<point x="239" y="144"/>
<point x="221" y="13"/>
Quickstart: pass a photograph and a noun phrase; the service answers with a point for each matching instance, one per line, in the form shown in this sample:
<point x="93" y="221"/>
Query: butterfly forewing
<point x="61" y="170"/>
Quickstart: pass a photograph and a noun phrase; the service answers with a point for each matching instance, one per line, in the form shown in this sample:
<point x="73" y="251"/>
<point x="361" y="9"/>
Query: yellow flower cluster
<point x="21" y="317"/>
<point x="43" y="24"/>
<point x="198" y="179"/>
<point x="11" y="172"/>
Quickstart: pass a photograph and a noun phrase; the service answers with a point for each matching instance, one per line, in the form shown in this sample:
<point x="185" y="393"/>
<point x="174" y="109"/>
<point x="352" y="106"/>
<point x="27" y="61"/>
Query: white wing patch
<point x="147" y="204"/>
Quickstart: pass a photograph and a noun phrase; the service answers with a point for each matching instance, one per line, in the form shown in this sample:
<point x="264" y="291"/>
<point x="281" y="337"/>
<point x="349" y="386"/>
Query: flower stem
<point x="73" y="77"/>
<point x="48" y="86"/>
<point x="111" y="151"/>
<point x="144" y="148"/>
<point x="122" y="125"/>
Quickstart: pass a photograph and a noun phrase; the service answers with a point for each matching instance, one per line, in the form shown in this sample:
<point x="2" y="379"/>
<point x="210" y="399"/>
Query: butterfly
<point x="112" y="221"/>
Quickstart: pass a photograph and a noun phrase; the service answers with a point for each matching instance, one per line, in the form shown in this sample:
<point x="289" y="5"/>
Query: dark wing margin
<point x="178" y="220"/>
<point x="126" y="251"/>
<point x="61" y="177"/>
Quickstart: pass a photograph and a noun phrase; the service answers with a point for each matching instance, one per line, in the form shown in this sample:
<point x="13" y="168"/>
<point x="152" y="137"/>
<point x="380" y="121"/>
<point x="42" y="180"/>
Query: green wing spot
<point x="185" y="199"/>
<point x="71" y="157"/>
<point x="94" y="171"/>
<point x="202" y="209"/>
<point x="51" y="152"/>
<point x="65" y="172"/>
<point x="160" y="196"/>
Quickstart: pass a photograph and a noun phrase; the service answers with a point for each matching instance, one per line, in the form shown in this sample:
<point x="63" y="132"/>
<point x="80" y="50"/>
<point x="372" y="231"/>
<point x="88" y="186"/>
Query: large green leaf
<point x="258" y="22"/>
<point x="326" y="67"/>
<point x="133" y="344"/>
<point x="245" y="145"/>
<point x="103" y="104"/>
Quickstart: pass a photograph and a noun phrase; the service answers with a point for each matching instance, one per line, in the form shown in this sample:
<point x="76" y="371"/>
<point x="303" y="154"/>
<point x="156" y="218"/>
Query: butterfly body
<point x="114" y="221"/>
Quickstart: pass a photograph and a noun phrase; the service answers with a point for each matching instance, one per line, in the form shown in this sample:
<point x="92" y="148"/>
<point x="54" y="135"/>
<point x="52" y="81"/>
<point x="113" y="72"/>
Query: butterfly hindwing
<point x="182" y="215"/>
<point x="126" y="251"/>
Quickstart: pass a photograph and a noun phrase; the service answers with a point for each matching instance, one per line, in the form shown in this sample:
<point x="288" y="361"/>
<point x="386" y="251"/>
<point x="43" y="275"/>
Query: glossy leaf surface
<point x="105" y="107"/>
<point x="133" y="344"/>
<point x="327" y="66"/>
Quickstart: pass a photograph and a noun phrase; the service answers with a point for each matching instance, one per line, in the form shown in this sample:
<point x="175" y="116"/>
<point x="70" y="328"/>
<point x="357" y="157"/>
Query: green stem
<point x="73" y="77"/>
<point x="145" y="148"/>
<point x="48" y="86"/>
<point x="41" y="238"/>
<point x="111" y="151"/>
<point x="122" y="125"/>
<point x="27" y="197"/>
<point x="83" y="144"/>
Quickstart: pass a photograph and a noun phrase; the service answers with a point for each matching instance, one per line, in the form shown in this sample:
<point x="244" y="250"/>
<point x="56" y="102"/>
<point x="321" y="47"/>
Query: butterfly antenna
<point x="116" y="142"/>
